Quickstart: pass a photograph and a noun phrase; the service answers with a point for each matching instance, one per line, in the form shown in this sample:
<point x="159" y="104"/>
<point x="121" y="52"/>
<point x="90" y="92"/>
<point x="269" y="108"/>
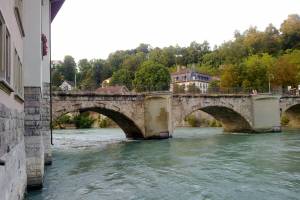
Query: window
<point x="2" y="26"/>
<point x="7" y="61"/>
<point x="5" y="57"/>
<point x="18" y="76"/>
<point x="19" y="15"/>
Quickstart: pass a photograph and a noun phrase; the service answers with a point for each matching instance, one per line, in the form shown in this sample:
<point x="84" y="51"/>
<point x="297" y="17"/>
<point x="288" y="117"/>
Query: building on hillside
<point x="106" y="82"/>
<point x="186" y="77"/>
<point x="113" y="90"/>
<point x="67" y="86"/>
<point x="24" y="93"/>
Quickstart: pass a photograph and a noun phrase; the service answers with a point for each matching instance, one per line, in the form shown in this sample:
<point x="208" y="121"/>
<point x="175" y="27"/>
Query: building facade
<point x="24" y="93"/>
<point x="67" y="86"/>
<point x="187" y="77"/>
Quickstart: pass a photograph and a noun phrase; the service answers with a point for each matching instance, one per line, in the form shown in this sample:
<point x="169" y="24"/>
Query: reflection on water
<point x="195" y="164"/>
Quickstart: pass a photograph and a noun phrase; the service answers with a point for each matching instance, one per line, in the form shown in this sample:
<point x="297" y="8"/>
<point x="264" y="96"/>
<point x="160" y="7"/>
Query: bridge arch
<point x="130" y="128"/>
<point x="232" y="121"/>
<point x="293" y="114"/>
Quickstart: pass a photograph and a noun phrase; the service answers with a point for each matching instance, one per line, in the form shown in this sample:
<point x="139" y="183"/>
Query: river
<point x="196" y="164"/>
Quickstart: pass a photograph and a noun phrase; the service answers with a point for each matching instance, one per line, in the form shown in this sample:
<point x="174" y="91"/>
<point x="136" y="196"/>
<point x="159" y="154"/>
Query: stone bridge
<point x="154" y="115"/>
<point x="290" y="106"/>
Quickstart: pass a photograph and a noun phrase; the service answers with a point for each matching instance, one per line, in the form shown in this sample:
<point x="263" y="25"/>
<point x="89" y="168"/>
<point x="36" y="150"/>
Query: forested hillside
<point x="249" y="61"/>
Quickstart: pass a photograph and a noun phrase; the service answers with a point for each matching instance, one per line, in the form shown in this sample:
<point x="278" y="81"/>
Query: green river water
<point x="197" y="163"/>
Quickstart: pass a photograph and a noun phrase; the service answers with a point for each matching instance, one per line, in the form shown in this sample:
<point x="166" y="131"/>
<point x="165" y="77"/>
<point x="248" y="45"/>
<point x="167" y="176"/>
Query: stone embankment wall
<point x="34" y="144"/>
<point x="45" y="123"/>
<point x="12" y="154"/>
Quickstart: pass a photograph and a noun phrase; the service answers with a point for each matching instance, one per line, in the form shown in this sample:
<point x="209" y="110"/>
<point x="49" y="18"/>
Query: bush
<point x="215" y="123"/>
<point x="284" y="120"/>
<point x="83" y="121"/>
<point x="192" y="121"/>
<point x="104" y="123"/>
<point x="64" y="119"/>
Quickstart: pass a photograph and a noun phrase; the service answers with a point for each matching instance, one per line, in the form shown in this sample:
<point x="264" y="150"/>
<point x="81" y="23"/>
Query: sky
<point x="95" y="28"/>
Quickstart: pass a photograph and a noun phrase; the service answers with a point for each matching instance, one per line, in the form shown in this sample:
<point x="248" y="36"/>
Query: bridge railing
<point x="189" y="90"/>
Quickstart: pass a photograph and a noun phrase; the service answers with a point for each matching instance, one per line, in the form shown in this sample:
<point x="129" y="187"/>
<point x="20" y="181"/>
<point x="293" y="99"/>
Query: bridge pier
<point x="266" y="113"/>
<point x="158" y="116"/>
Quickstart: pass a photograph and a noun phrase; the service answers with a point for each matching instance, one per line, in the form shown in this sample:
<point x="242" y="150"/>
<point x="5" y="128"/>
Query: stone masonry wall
<point x="12" y="154"/>
<point x="45" y="123"/>
<point x="34" y="145"/>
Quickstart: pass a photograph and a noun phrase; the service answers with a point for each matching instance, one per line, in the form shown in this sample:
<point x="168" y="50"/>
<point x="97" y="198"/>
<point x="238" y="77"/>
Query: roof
<point x="186" y="71"/>
<point x="69" y="82"/>
<point x="182" y="71"/>
<point x="55" y="7"/>
<point x="113" y="90"/>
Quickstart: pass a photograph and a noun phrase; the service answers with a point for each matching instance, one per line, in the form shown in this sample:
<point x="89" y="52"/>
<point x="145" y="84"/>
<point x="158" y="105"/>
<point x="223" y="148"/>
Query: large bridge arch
<point x="231" y="120"/>
<point x="129" y="127"/>
<point x="290" y="107"/>
<point x="126" y="111"/>
<point x="234" y="112"/>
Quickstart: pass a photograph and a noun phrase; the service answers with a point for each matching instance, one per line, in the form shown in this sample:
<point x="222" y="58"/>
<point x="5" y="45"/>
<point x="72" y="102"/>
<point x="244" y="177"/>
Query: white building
<point x="67" y="86"/>
<point x="186" y="77"/>
<point x="24" y="93"/>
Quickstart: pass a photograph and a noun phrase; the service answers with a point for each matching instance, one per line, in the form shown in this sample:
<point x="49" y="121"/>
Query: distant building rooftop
<point x="113" y="90"/>
<point x="184" y="75"/>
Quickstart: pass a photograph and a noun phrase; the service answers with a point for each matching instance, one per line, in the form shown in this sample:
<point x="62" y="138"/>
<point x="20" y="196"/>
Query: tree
<point x="57" y="78"/>
<point x="230" y="77"/>
<point x="271" y="40"/>
<point x="178" y="88"/>
<point x="214" y="86"/>
<point x="122" y="77"/>
<point x="83" y="76"/>
<point x="152" y="76"/>
<point x="257" y="70"/>
<point x="192" y="88"/>
<point x="253" y="40"/>
<point x="290" y="29"/>
<point x="286" y="71"/>
<point x="132" y="62"/>
<point x="69" y="68"/>
<point x="100" y="71"/>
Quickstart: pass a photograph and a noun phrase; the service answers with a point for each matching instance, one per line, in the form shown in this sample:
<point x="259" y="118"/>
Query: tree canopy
<point x="251" y="60"/>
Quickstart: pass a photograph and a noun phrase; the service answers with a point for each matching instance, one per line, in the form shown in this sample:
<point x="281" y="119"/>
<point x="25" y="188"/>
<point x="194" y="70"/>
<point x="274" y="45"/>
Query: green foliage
<point x="122" y="77"/>
<point x="284" y="120"/>
<point x="290" y="29"/>
<point x="151" y="76"/>
<point x="214" y="86"/>
<point x="248" y="62"/>
<point x="287" y="69"/>
<point x="192" y="88"/>
<point x="83" y="120"/>
<point x="104" y="122"/>
<point x="178" y="88"/>
<point x="69" y="68"/>
<point x="62" y="120"/>
<point x="192" y="120"/>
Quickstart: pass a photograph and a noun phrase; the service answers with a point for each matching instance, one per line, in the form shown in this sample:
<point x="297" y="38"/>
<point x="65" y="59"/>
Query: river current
<point x="196" y="164"/>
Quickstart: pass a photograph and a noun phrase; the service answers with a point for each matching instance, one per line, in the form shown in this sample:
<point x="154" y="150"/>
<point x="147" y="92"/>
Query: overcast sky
<point x="95" y="28"/>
